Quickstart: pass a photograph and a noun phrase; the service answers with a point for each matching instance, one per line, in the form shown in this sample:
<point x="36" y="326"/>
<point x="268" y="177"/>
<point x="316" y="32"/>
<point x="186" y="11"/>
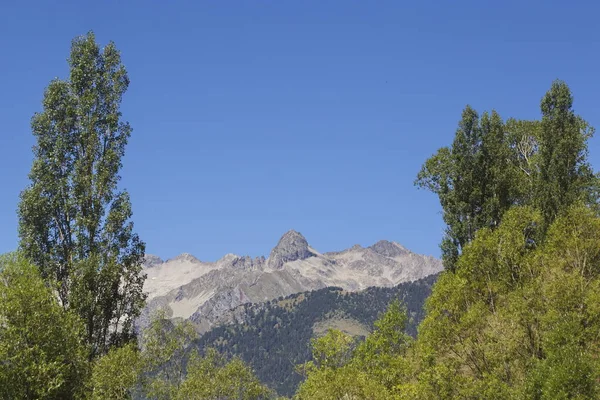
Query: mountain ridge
<point x="151" y="259"/>
<point x="204" y="291"/>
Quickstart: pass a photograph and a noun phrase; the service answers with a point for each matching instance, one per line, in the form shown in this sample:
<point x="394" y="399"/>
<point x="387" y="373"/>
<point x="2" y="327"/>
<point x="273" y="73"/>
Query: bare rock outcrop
<point x="291" y="247"/>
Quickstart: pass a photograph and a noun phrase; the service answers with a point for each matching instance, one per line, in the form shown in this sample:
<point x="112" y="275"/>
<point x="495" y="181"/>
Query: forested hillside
<point x="275" y="336"/>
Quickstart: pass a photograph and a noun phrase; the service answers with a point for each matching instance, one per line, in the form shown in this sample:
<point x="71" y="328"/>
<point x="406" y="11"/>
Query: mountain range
<point x="206" y="292"/>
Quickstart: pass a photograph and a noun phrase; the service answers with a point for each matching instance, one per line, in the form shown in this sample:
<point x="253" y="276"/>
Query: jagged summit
<point x="389" y="249"/>
<point x="227" y="258"/>
<point x="186" y="257"/>
<point x="204" y="292"/>
<point x="231" y="260"/>
<point x="291" y="235"/>
<point x="151" y="260"/>
<point x="291" y="247"/>
<point x="248" y="263"/>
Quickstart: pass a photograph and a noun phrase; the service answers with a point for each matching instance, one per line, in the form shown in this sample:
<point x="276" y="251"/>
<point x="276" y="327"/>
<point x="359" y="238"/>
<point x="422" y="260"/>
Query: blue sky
<point x="251" y="118"/>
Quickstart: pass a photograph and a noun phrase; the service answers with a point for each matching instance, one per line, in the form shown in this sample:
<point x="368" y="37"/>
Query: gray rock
<point x="151" y="260"/>
<point x="206" y="293"/>
<point x="291" y="247"/>
<point x="186" y="257"/>
<point x="389" y="249"/>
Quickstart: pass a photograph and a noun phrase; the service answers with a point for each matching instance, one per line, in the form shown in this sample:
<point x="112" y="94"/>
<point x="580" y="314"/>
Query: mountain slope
<point x="275" y="336"/>
<point x="205" y="291"/>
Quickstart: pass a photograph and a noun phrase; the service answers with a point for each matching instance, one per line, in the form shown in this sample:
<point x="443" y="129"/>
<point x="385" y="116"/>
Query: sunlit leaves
<point x="519" y="313"/>
<point x="42" y="353"/>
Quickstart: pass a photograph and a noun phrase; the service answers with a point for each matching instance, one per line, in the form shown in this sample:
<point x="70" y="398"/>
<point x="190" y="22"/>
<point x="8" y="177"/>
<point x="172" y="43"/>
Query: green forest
<point x="275" y="337"/>
<point x="514" y="315"/>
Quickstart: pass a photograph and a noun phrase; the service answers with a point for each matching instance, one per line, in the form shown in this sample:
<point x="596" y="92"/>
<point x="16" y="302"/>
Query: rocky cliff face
<point x="291" y="247"/>
<point x="152" y="261"/>
<point x="389" y="249"/>
<point x="205" y="291"/>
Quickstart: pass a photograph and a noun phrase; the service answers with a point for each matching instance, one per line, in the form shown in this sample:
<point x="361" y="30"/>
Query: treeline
<point x="275" y="336"/>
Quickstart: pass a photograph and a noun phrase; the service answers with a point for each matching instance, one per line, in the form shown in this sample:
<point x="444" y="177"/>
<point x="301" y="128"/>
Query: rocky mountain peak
<point x="228" y="258"/>
<point x="186" y="257"/>
<point x="247" y="263"/>
<point x="389" y="249"/>
<point x="151" y="260"/>
<point x="291" y="247"/>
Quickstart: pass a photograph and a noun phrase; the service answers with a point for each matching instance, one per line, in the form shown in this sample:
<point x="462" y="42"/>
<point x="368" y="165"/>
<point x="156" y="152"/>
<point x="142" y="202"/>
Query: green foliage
<point x="389" y="336"/>
<point x="171" y="371"/>
<point x="164" y="347"/>
<point x="472" y="180"/>
<point x="492" y="166"/>
<point x="42" y="355"/>
<point x="332" y="375"/>
<point x="383" y="353"/>
<point x="116" y="374"/>
<point x="333" y="350"/>
<point x="73" y="223"/>
<point x="344" y="383"/>
<point x="516" y="315"/>
<point x="373" y="370"/>
<point x="213" y="377"/>
<point x="519" y="318"/>
<point x="276" y="336"/>
<point x="565" y="175"/>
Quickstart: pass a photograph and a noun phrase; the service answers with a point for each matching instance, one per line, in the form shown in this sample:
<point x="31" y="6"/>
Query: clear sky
<point x="251" y="118"/>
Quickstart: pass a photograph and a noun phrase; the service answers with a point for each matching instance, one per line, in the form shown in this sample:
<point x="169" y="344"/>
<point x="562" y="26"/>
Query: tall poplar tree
<point x="74" y="223"/>
<point x="472" y="179"/>
<point x="565" y="175"/>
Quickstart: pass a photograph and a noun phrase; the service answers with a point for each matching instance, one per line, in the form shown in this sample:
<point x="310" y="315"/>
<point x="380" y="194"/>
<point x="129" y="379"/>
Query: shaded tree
<point x="472" y="179"/>
<point x="565" y="175"/>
